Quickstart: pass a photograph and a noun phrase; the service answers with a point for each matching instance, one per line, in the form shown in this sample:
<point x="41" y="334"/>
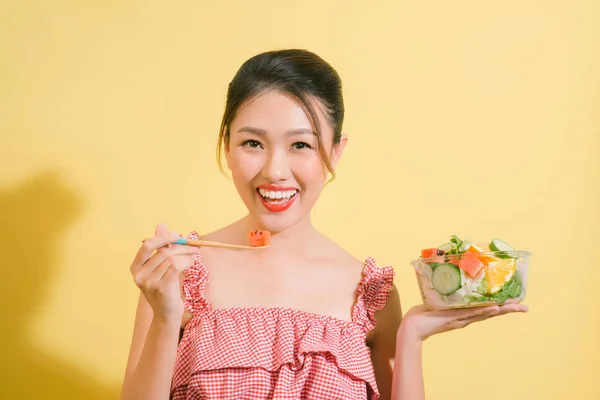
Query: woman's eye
<point x="301" y="145"/>
<point x="252" y="143"/>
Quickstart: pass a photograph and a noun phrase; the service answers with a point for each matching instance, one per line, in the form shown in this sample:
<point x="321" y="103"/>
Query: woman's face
<point x="273" y="157"/>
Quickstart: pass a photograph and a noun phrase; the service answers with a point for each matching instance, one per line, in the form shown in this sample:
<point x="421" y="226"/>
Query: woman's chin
<point x="276" y="216"/>
<point x="277" y="222"/>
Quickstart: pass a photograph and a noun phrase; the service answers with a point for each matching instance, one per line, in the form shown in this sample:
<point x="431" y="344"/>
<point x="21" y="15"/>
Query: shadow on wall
<point x="33" y="216"/>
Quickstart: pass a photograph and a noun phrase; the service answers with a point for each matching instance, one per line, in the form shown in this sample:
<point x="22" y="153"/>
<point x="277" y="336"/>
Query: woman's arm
<point x="407" y="383"/>
<point x="382" y="342"/>
<point x="149" y="370"/>
<point x="420" y="323"/>
<point x="396" y="353"/>
<point x="157" y="271"/>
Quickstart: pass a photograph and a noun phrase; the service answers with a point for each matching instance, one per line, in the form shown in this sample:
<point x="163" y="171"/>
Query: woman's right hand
<point x="156" y="269"/>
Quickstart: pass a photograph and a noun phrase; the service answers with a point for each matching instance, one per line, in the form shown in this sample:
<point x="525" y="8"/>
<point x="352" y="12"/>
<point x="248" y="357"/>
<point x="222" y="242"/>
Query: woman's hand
<point x="156" y="269"/>
<point x="420" y="322"/>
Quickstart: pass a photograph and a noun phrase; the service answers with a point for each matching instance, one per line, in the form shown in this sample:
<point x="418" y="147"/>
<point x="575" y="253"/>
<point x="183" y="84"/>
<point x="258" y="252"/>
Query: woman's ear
<point x="338" y="149"/>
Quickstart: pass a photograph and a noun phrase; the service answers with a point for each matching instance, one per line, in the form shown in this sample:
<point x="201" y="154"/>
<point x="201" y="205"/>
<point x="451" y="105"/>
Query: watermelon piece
<point x="260" y="238"/>
<point x="433" y="254"/>
<point x="470" y="264"/>
<point x="453" y="260"/>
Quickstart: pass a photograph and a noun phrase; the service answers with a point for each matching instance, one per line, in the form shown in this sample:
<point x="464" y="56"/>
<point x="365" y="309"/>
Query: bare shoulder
<point x="341" y="257"/>
<point x="389" y="317"/>
<point x="392" y="307"/>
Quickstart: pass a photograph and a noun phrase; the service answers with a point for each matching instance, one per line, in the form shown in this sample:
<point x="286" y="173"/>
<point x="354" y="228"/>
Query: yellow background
<point x="474" y="118"/>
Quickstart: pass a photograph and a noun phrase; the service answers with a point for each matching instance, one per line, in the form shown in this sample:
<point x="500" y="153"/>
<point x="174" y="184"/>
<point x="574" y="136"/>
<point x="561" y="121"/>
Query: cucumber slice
<point x="501" y="247"/>
<point x="464" y="246"/>
<point x="434" y="265"/>
<point x="446" y="279"/>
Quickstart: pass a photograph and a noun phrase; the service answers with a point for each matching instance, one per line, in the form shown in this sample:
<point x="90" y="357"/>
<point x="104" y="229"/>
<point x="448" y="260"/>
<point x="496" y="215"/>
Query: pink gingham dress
<point x="277" y="353"/>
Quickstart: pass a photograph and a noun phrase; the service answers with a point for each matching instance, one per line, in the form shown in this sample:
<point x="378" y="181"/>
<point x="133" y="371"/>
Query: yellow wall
<point x="473" y="118"/>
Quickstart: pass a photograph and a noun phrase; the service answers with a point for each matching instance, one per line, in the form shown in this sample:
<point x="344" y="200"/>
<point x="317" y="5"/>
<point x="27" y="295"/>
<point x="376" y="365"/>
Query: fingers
<point x="162" y="230"/>
<point x="161" y="238"/>
<point x="479" y="314"/>
<point x="478" y="311"/>
<point x="162" y="255"/>
<point x="150" y="246"/>
<point x="481" y="317"/>
<point x="173" y="272"/>
<point x="150" y="278"/>
<point x="485" y="313"/>
<point x="508" y="308"/>
<point x="158" y="273"/>
<point x="463" y="313"/>
<point x="173" y="265"/>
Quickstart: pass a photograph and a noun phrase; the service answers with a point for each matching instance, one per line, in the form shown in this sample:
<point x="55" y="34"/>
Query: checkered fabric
<point x="277" y="353"/>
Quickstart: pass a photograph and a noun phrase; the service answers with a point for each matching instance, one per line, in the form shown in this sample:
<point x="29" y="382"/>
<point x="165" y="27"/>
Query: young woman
<point x="301" y="319"/>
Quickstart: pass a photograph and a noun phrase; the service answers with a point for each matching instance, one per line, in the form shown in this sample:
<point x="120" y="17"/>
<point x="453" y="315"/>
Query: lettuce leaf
<point x="483" y="287"/>
<point x="511" y="289"/>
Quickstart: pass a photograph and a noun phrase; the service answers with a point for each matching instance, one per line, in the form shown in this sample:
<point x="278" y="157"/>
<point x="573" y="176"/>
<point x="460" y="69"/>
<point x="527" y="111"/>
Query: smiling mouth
<point x="277" y="197"/>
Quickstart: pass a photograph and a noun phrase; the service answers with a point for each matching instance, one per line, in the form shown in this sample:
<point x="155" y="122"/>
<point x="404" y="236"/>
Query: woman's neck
<point x="294" y="240"/>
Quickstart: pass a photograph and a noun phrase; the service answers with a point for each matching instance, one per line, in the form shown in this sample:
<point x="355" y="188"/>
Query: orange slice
<point x="499" y="272"/>
<point x="478" y="249"/>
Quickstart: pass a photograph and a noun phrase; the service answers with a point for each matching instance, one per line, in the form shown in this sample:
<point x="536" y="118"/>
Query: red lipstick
<point x="277" y="205"/>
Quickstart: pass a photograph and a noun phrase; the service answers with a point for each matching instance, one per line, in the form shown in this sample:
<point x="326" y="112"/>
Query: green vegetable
<point x="453" y="246"/>
<point x="502" y="248"/>
<point x="484" y="286"/>
<point x="454" y="239"/>
<point x="446" y="279"/>
<point x="476" y="298"/>
<point x="511" y="289"/>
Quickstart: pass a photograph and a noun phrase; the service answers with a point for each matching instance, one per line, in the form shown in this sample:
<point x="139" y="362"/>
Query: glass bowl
<point x="449" y="281"/>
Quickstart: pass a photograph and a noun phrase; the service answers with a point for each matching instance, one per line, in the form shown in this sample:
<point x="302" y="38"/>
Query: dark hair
<point x="299" y="73"/>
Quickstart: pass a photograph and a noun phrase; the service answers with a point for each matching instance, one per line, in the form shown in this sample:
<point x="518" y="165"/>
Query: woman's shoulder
<point x="371" y="273"/>
<point x="342" y="256"/>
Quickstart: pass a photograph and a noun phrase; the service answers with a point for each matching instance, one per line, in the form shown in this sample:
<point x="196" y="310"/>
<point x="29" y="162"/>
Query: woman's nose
<point x="276" y="166"/>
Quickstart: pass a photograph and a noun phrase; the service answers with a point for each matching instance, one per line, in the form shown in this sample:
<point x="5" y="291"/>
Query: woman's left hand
<point x="420" y="322"/>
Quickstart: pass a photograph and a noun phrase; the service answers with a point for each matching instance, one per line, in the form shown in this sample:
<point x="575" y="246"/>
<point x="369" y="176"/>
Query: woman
<point x="301" y="318"/>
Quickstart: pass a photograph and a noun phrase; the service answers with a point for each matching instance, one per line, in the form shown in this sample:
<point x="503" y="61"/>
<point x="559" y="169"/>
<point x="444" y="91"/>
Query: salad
<point x="461" y="273"/>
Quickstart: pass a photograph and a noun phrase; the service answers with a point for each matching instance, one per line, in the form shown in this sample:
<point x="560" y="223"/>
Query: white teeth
<point x="276" y="195"/>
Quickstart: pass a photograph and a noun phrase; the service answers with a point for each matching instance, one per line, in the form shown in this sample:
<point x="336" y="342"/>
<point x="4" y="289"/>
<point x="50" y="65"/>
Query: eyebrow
<point x="258" y="131"/>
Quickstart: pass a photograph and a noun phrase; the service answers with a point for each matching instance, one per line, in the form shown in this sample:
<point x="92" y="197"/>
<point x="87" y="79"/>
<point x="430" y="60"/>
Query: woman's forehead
<point x="276" y="112"/>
